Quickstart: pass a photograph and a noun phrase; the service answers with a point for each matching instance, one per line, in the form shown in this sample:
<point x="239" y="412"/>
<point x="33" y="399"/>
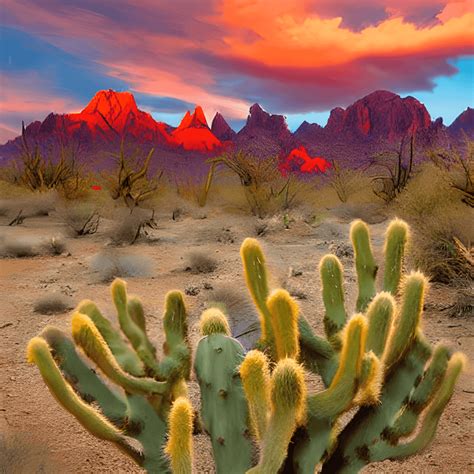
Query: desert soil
<point x="41" y="437"/>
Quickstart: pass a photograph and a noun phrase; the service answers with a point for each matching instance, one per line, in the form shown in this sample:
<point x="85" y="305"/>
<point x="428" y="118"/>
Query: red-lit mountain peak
<point x="196" y="120"/>
<point x="193" y="133"/>
<point x="111" y="104"/>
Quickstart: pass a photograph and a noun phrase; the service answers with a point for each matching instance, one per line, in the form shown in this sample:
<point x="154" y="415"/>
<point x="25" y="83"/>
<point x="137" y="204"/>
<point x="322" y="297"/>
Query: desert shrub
<point x="393" y="169"/>
<point x="344" y="181"/>
<point x="56" y="168"/>
<point x="457" y="165"/>
<point x="53" y="303"/>
<point x="110" y="264"/>
<point x="133" y="182"/>
<point x="131" y="226"/>
<point x="82" y="219"/>
<point x="266" y="190"/>
<point x="200" y="262"/>
<point x="32" y="205"/>
<point x="441" y="223"/>
<point x="31" y="246"/>
<point x="23" y="247"/>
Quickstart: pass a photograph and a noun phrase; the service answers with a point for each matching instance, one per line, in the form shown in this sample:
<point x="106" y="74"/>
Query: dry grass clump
<point x="82" y="219"/>
<point x="442" y="227"/>
<point x="25" y="247"/>
<point x="32" y="205"/>
<point x="53" y="303"/>
<point x="110" y="264"/>
<point x="265" y="190"/>
<point x="130" y="227"/>
<point x="200" y="262"/>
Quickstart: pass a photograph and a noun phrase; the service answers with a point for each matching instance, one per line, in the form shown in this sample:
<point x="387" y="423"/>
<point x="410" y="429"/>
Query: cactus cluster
<point x="257" y="408"/>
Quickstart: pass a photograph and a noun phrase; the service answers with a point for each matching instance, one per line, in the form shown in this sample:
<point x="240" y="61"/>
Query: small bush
<point x="130" y="227"/>
<point x="441" y="224"/>
<point x="110" y="264"/>
<point x="81" y="219"/>
<point x="24" y="247"/>
<point x="20" y="247"/>
<point x="199" y="262"/>
<point x="53" y="303"/>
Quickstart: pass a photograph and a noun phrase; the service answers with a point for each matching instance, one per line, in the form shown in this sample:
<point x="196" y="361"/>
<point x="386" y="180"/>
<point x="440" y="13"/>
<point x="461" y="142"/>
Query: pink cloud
<point x="296" y="56"/>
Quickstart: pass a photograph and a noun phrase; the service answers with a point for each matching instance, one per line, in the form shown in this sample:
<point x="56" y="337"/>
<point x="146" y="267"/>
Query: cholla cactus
<point x="378" y="360"/>
<point x="138" y="412"/>
<point x="256" y="407"/>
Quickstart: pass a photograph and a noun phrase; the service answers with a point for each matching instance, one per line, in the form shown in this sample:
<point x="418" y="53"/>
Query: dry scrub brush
<point x="130" y="227"/>
<point x="109" y="264"/>
<point x="266" y="190"/>
<point x="200" y="262"/>
<point x="31" y="246"/>
<point x="81" y="218"/>
<point x="57" y="168"/>
<point x="442" y="226"/>
<point x="457" y="165"/>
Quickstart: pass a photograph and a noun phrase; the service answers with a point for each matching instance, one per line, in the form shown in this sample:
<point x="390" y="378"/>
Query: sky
<point x="299" y="58"/>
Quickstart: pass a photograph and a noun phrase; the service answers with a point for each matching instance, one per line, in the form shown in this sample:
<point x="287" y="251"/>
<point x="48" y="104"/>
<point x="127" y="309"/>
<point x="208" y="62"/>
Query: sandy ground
<point x="41" y="437"/>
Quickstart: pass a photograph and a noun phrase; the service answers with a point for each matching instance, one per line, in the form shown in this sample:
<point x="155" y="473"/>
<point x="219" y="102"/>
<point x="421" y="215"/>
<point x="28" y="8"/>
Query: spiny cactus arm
<point x="364" y="263"/>
<point x="257" y="282"/>
<point x="175" y="320"/>
<point x="396" y="239"/>
<point x="330" y="270"/>
<point x="406" y="325"/>
<point x="352" y="452"/>
<point x="180" y="439"/>
<point x="424" y="392"/>
<point x="136" y="336"/>
<point x="148" y="427"/>
<point x="284" y="312"/>
<point x="379" y="315"/>
<point x="176" y="364"/>
<point x="87" y="336"/>
<point x="255" y="375"/>
<point x="82" y="378"/>
<point x="125" y="355"/>
<point x="317" y="354"/>
<point x="371" y="380"/>
<point x="339" y="396"/>
<point x="384" y="450"/>
<point x="224" y="411"/>
<point x="136" y="312"/>
<point x="288" y="396"/>
<point x="38" y="352"/>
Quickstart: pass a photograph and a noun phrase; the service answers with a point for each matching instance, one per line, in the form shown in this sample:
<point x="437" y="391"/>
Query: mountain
<point x="380" y="115"/>
<point x="112" y="116"/>
<point x="193" y="133"/>
<point x="221" y="129"/>
<point x="264" y="133"/>
<point x="352" y="135"/>
<point x="464" y="123"/>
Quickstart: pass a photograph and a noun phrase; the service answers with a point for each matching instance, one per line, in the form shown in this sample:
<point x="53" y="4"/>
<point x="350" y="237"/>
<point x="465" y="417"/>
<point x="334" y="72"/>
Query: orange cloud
<point x="287" y="36"/>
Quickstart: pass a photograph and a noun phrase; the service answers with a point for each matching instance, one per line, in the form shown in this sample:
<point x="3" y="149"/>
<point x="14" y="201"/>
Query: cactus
<point x="224" y="411"/>
<point x="378" y="361"/>
<point x="376" y="364"/>
<point x="136" y="408"/>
